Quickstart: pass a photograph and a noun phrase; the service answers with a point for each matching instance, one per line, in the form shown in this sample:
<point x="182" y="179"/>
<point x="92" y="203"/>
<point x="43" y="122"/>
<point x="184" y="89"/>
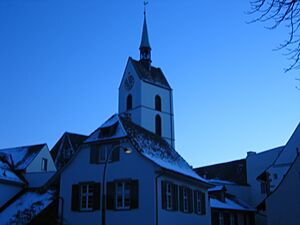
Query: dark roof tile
<point x="153" y="76"/>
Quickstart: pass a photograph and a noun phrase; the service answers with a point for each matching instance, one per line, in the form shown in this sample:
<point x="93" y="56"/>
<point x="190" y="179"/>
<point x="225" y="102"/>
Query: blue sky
<point x="61" y="62"/>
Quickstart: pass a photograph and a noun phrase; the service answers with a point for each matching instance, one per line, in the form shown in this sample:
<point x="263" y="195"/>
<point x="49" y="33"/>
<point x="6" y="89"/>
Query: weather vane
<point x="145" y="5"/>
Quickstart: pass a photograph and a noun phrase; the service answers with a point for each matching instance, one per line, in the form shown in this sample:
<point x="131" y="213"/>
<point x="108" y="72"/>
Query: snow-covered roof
<point x="22" y="156"/>
<point x="224" y="182"/>
<point x="113" y="123"/>
<point x="150" y="145"/>
<point x="30" y="203"/>
<point x="229" y="204"/>
<point x="217" y="188"/>
<point x="9" y="176"/>
<point x="6" y="173"/>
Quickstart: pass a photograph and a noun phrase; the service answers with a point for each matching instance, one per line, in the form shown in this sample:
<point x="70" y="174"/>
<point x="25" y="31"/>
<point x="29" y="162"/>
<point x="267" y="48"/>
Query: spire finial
<point x="145" y="6"/>
<point x="145" y="49"/>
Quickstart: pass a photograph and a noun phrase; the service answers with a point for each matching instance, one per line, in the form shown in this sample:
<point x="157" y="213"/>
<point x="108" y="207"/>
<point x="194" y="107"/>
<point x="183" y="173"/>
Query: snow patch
<point x="26" y="207"/>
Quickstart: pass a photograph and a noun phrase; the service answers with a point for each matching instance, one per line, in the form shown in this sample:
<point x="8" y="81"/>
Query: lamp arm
<point x="103" y="185"/>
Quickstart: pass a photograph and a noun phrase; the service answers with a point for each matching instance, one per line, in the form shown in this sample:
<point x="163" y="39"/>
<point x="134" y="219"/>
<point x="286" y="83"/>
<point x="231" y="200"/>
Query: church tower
<point x="145" y="94"/>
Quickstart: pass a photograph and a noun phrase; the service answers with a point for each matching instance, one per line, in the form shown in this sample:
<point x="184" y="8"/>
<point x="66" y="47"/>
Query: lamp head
<point x="127" y="150"/>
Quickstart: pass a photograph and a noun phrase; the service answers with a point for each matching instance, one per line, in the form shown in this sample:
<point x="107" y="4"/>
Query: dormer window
<point x="157" y="103"/>
<point x="129" y="102"/>
<point x="44" y="164"/>
<point x="108" y="131"/>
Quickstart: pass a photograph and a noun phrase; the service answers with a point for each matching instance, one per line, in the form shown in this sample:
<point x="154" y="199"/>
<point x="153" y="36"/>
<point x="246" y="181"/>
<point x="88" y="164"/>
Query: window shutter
<point x="190" y="200"/>
<point x="181" y="199"/>
<point x="175" y="196"/>
<point x="203" y="204"/>
<point x="94" y="154"/>
<point x="163" y="195"/>
<point x="75" y="197"/>
<point x="115" y="155"/>
<point x="134" y="194"/>
<point x="110" y="195"/>
<point x="96" y="200"/>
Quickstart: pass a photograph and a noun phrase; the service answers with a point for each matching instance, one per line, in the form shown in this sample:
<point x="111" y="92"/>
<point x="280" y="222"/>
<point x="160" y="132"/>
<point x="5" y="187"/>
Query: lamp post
<point x="127" y="151"/>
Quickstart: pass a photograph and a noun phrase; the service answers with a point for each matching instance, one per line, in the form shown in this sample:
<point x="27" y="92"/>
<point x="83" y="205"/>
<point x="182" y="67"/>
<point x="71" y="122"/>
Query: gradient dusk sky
<point x="61" y="62"/>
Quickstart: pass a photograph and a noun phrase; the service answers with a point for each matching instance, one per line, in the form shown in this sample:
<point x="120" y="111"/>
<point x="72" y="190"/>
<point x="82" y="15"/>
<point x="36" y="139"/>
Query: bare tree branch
<point x="281" y="12"/>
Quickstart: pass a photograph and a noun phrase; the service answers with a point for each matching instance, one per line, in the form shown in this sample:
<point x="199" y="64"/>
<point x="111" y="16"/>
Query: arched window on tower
<point x="129" y="102"/>
<point x="157" y="103"/>
<point x="158" y="125"/>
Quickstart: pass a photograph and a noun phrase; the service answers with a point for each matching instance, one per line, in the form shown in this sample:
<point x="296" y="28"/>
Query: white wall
<point x="180" y="218"/>
<point x="130" y="166"/>
<point x="143" y="112"/>
<point x="286" y="158"/>
<point x="283" y="204"/>
<point x="7" y="191"/>
<point x="135" y="92"/>
<point x="38" y="179"/>
<point x="36" y="164"/>
<point x="256" y="164"/>
<point x="242" y="192"/>
<point x="148" y="113"/>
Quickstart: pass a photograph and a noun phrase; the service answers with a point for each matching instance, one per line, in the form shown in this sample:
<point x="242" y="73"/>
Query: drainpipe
<point x="156" y="196"/>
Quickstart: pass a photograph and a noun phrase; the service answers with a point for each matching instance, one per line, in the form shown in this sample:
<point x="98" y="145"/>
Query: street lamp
<point x="127" y="151"/>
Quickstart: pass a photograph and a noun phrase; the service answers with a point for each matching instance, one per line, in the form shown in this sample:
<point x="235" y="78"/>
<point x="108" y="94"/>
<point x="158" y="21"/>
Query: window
<point x="99" y="153"/>
<point x="199" y="203"/>
<point x="86" y="196"/>
<point x="104" y="151"/>
<point x="122" y="195"/>
<point x="158" y="125"/>
<point x="44" y="164"/>
<point x="185" y="199"/>
<point x="169" y="196"/>
<point x="108" y="131"/>
<point x="129" y="102"/>
<point x="157" y="103"/>
<point x="233" y="219"/>
<point x="221" y="218"/>
<point x="262" y="187"/>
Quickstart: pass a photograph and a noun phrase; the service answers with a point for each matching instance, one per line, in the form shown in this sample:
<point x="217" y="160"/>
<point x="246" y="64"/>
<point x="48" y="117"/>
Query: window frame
<point x="221" y="218"/>
<point x="104" y="150"/>
<point x="198" y="202"/>
<point x="87" y="196"/>
<point x="100" y="152"/>
<point x="125" y="195"/>
<point x="169" y="196"/>
<point x="185" y="200"/>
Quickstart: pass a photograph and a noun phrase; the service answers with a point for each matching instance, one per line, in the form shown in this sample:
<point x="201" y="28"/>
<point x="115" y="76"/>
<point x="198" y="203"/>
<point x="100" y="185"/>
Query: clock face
<point x="129" y="82"/>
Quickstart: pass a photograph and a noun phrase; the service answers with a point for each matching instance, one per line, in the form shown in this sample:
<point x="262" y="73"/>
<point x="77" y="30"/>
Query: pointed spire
<point x="145" y="39"/>
<point x="145" y="49"/>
